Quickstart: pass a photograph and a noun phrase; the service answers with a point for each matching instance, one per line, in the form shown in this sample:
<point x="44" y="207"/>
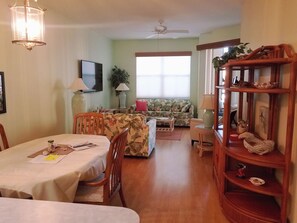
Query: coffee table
<point x="164" y="124"/>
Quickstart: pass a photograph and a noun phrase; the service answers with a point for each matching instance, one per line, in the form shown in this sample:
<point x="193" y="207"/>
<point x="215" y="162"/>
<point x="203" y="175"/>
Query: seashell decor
<point x="256" y="145"/>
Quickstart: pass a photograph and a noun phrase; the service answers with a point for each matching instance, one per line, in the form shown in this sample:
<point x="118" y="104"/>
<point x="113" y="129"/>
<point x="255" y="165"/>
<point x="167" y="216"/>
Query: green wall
<point x="124" y="57"/>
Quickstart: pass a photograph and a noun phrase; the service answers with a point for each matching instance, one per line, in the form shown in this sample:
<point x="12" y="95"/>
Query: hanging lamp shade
<point x="27" y="24"/>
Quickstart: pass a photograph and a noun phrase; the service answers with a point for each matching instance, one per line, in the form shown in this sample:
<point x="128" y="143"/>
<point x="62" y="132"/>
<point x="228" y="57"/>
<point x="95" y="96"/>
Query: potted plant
<point x="118" y="76"/>
<point x="234" y="52"/>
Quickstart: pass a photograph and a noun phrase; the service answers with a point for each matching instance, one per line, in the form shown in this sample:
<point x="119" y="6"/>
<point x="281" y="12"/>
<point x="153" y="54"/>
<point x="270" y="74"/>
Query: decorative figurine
<point x="240" y="170"/>
<point x="241" y="126"/>
<point x="235" y="81"/>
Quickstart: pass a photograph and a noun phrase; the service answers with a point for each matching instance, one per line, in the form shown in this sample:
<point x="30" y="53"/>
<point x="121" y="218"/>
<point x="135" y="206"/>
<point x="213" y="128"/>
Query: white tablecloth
<point x="30" y="211"/>
<point x="57" y="182"/>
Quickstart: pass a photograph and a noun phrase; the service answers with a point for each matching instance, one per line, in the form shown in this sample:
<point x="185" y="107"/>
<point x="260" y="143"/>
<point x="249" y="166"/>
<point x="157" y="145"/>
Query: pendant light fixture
<point x="27" y="24"/>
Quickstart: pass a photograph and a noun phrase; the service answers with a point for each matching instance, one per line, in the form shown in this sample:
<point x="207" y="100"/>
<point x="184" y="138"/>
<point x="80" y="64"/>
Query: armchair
<point x="141" y="136"/>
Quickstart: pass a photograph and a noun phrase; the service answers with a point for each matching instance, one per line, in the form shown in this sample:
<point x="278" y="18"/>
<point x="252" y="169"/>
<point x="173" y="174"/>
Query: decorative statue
<point x="241" y="126"/>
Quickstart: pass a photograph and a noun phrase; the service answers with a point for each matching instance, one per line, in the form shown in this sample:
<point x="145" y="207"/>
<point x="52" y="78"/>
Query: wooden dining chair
<point x="102" y="189"/>
<point x="90" y="123"/>
<point x="4" y="138"/>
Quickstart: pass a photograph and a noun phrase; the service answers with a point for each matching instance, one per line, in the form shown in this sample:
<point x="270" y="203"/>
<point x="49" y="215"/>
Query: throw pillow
<point x="141" y="105"/>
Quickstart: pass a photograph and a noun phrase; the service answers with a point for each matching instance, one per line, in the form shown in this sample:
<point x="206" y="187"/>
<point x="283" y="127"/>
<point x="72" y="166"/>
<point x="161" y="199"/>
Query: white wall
<point x="36" y="82"/>
<point x="217" y="35"/>
<point x="220" y="34"/>
<point x="269" y="22"/>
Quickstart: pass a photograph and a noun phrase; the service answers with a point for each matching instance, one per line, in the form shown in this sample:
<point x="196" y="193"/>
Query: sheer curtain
<point x="209" y="69"/>
<point x="163" y="76"/>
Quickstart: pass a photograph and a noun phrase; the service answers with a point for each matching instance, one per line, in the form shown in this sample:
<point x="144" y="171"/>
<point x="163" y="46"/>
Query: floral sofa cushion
<point x="181" y="109"/>
<point x="141" y="136"/>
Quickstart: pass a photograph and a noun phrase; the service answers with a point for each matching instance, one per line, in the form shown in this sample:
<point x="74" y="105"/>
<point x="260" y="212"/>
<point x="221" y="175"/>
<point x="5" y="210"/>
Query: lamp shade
<point x="27" y="24"/>
<point x="122" y="87"/>
<point x="207" y="102"/>
<point x="78" y="85"/>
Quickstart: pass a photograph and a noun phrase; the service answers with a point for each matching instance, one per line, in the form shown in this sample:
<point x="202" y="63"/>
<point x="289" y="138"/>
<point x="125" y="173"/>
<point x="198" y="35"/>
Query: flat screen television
<point x="92" y="75"/>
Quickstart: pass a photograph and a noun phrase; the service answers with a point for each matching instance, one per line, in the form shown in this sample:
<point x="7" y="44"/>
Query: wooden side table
<point x="205" y="139"/>
<point x="169" y="121"/>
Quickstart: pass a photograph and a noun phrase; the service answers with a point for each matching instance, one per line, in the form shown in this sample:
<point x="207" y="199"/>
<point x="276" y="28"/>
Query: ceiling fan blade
<point x="177" y="31"/>
<point x="152" y="36"/>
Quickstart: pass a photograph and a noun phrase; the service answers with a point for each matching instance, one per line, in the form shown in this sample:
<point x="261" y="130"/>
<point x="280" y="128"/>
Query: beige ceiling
<point x="136" y="19"/>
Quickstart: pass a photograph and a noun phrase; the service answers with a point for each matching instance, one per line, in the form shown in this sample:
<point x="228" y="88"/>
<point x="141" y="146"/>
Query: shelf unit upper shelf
<point x="256" y="90"/>
<point x="274" y="159"/>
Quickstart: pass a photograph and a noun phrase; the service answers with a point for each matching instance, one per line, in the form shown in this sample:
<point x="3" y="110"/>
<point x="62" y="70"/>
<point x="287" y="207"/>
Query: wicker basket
<point x="255" y="145"/>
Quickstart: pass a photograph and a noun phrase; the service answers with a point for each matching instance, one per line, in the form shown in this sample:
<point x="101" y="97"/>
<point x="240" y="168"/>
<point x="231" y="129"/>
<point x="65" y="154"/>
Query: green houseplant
<point x="118" y="76"/>
<point x="234" y="52"/>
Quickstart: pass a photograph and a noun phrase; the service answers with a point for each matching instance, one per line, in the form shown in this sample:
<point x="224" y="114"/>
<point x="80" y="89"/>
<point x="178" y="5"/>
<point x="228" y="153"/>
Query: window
<point x="208" y="52"/>
<point x="163" y="76"/>
<point x="209" y="76"/>
<point x="209" y="69"/>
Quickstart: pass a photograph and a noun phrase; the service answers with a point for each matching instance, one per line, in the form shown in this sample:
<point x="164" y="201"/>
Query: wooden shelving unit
<point x="242" y="201"/>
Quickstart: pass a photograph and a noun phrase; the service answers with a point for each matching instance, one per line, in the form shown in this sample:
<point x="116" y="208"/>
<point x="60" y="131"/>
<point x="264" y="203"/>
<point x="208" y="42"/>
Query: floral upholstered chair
<point x="141" y="136"/>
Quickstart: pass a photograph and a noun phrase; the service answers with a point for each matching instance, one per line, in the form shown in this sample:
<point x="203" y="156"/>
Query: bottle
<point x="50" y="146"/>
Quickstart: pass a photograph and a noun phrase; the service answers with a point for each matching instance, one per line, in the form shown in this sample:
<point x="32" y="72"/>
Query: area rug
<point x="175" y="135"/>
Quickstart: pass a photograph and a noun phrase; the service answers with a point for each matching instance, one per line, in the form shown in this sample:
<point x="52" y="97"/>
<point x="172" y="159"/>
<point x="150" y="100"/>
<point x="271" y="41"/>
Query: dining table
<point x="36" y="211"/>
<point x="27" y="171"/>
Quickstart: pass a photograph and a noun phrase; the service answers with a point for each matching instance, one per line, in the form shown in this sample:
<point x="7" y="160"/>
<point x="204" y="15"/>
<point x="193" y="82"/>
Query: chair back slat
<point x="90" y="123"/>
<point x="4" y="138"/>
<point x="114" y="163"/>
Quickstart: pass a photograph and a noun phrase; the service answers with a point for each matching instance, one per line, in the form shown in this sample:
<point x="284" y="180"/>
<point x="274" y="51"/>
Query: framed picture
<point x="262" y="120"/>
<point x="2" y="94"/>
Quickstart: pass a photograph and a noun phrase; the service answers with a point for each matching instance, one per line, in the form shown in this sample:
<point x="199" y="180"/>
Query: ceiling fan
<point x="161" y="29"/>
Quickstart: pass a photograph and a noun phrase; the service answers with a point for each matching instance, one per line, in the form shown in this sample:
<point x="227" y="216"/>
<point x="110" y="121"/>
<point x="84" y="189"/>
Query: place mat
<point x="60" y="150"/>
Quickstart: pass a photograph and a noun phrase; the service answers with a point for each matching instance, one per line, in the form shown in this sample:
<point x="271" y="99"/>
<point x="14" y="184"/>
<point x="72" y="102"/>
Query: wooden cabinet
<point x="240" y="199"/>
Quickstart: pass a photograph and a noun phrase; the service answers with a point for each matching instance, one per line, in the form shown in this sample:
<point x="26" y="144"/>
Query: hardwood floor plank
<point x="174" y="185"/>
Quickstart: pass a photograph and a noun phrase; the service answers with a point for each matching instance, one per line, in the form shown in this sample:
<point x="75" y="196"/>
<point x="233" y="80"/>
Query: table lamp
<point x="208" y="105"/>
<point x="122" y="88"/>
<point x="78" y="100"/>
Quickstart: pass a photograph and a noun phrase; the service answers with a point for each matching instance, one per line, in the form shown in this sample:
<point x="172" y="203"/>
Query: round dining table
<point x="25" y="172"/>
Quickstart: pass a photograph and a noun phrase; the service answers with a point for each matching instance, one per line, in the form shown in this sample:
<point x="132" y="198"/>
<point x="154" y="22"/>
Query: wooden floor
<point x="174" y="185"/>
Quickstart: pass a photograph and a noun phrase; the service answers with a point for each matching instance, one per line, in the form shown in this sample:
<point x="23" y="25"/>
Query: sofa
<point x="181" y="109"/>
<point x="141" y="136"/>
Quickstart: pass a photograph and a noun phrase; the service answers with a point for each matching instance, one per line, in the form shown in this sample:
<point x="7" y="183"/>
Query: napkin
<point x="83" y="146"/>
<point x="50" y="159"/>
